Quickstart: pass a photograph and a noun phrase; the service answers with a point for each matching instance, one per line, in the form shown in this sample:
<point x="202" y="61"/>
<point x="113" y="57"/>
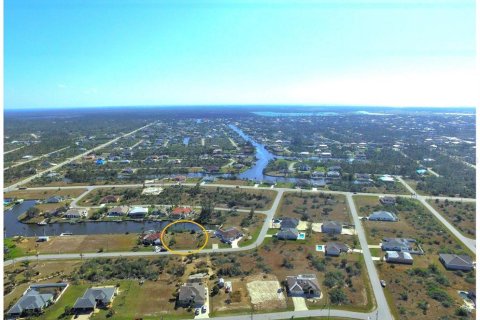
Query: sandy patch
<point x="265" y="294"/>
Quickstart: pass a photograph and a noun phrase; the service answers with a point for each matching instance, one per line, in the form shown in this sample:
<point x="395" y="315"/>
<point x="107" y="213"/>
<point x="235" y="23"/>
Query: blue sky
<point x="354" y="52"/>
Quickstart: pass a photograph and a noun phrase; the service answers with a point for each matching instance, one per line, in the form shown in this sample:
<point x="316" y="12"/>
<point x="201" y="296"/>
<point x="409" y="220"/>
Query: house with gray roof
<point x="383" y="216"/>
<point x="303" y="285"/>
<point x="228" y="235"/>
<point x="118" y="211"/>
<point x="388" y="201"/>
<point x="399" y="257"/>
<point x="94" y="298"/>
<point x="397" y="244"/>
<point x="335" y="248"/>
<point x="31" y="303"/>
<point x="287" y="234"/>
<point x="192" y="294"/>
<point x="332" y="227"/>
<point x="456" y="262"/>
<point x="35" y="299"/>
<point x="288" y="223"/>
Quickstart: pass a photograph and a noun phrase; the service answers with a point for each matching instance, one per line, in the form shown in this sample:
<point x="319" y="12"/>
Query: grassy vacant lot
<point x="316" y="207"/>
<point x="14" y="251"/>
<point x="44" y="194"/>
<point x="184" y="240"/>
<point x="80" y="243"/>
<point x="414" y="291"/>
<point x="460" y="214"/>
<point x="184" y="195"/>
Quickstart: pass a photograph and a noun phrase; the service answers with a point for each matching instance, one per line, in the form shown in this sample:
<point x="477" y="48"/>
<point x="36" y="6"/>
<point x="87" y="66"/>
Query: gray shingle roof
<point x="30" y="301"/>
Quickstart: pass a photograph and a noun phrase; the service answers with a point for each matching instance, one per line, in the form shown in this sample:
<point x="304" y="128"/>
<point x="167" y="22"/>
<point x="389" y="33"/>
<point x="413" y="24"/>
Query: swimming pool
<point x="301" y="236"/>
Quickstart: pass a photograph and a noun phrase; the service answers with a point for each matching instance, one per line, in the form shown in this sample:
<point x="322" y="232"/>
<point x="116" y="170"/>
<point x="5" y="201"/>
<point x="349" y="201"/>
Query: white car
<point x="383" y="283"/>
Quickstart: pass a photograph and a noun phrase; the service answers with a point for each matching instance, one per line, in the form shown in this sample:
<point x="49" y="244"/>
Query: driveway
<point x="299" y="304"/>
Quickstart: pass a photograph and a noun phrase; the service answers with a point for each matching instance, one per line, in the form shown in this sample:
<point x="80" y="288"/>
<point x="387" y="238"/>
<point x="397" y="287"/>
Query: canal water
<point x="13" y="227"/>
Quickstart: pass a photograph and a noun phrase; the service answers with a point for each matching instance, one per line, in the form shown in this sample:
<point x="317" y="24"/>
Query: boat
<point x="66" y="234"/>
<point x="19" y="201"/>
<point x="42" y="223"/>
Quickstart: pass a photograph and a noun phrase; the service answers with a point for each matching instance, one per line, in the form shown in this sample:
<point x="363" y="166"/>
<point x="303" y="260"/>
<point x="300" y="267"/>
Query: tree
<point x="206" y="212"/>
<point x="337" y="296"/>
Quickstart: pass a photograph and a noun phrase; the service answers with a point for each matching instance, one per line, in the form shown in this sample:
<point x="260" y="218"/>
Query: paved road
<point x="382" y="305"/>
<point x="382" y="312"/>
<point x="469" y="243"/>
<point x="33" y="159"/>
<point x="26" y="180"/>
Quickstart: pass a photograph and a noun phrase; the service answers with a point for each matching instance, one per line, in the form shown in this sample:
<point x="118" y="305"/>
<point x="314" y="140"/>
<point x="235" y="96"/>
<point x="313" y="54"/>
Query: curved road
<point x="382" y="311"/>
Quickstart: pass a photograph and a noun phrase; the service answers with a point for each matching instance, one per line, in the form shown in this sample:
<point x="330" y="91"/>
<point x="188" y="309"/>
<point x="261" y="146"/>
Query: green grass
<point x="376" y="252"/>
<point x="72" y="293"/>
<point x="14" y="251"/>
<point x="254" y="238"/>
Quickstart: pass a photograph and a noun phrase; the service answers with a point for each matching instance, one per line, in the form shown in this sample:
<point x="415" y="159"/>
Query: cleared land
<point x="313" y="207"/>
<point x="44" y="194"/>
<point x="79" y="243"/>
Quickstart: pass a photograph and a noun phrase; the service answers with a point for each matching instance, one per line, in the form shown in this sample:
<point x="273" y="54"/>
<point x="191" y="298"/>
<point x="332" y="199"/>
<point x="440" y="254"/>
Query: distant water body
<point x="293" y="114"/>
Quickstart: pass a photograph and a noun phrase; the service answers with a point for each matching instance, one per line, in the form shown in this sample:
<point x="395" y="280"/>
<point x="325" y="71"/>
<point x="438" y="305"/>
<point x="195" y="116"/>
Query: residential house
<point x="388" y="201"/>
<point x="397" y="244"/>
<point x="456" y="262"/>
<point x="192" y="295"/>
<point x="383" y="216"/>
<point x="54" y="199"/>
<point x="75" y="213"/>
<point x="181" y="212"/>
<point x="110" y="199"/>
<point x="332" y="227"/>
<point x="333" y="174"/>
<point x="152" y="239"/>
<point x="335" y="248"/>
<point x="95" y="298"/>
<point x="36" y="299"/>
<point x="228" y="235"/>
<point x="303" y="285"/>
<point x="31" y="303"/>
<point x="118" y="211"/>
<point x="287" y="234"/>
<point x="288" y="223"/>
<point x="212" y="169"/>
<point x="399" y="257"/>
<point x="138" y="212"/>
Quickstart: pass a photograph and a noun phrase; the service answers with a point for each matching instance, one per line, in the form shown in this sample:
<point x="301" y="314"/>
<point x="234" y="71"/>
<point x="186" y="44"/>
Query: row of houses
<point x="141" y="212"/>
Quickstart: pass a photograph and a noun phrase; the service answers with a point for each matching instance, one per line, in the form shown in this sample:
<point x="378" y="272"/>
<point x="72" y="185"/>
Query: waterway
<point x="13" y="227"/>
<point x="263" y="156"/>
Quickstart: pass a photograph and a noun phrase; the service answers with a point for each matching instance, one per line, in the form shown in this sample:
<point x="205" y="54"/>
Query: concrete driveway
<point x="299" y="304"/>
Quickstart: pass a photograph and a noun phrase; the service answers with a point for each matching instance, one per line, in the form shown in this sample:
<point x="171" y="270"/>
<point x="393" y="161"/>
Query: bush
<point x="337" y="296"/>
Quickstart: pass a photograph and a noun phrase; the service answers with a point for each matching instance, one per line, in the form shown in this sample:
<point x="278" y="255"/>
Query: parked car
<point x="383" y="283"/>
<point x="204" y="309"/>
<point x="197" y="312"/>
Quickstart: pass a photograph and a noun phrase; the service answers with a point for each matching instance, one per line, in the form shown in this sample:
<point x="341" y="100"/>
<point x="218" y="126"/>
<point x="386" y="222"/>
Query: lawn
<point x="72" y="293"/>
<point x="14" y="250"/>
<point x="150" y="300"/>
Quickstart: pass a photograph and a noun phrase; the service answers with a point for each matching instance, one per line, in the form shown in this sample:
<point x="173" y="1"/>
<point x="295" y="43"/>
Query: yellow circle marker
<point x="162" y="235"/>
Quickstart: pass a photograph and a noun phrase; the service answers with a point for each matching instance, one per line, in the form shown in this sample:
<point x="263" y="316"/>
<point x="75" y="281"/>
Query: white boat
<point x="19" y="201"/>
<point x="66" y="234"/>
<point x="42" y="223"/>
